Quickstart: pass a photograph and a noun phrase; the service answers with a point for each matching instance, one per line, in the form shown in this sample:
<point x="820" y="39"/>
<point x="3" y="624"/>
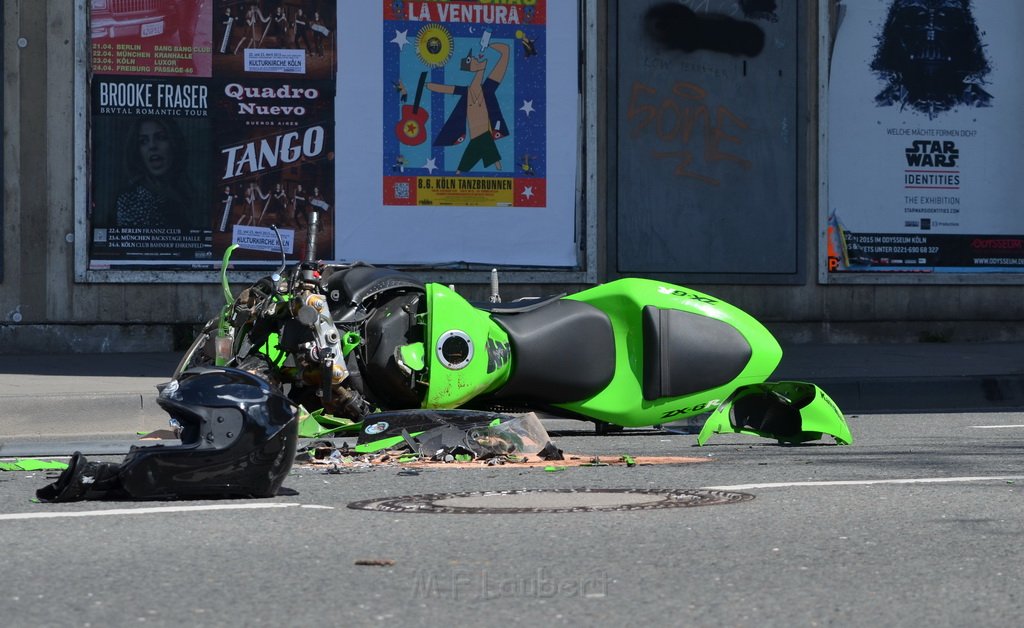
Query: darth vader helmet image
<point x="931" y="57"/>
<point x="238" y="439"/>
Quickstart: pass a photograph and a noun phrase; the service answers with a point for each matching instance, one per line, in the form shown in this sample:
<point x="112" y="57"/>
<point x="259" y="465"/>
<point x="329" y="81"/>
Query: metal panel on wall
<point x="707" y="115"/>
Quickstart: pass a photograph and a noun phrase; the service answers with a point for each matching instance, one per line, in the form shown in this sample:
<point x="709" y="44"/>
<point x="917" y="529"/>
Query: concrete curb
<point x="73" y="395"/>
<point x="79" y="414"/>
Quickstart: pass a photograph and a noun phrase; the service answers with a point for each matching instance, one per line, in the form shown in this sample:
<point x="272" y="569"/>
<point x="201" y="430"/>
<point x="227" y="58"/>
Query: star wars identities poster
<point x="463" y="146"/>
<point x="924" y="137"/>
<point x="212" y="125"/>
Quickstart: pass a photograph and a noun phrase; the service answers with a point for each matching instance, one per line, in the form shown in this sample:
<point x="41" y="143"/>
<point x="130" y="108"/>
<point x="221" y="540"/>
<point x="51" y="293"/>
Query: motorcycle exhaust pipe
<point x="314" y="221"/>
<point x="495" y="296"/>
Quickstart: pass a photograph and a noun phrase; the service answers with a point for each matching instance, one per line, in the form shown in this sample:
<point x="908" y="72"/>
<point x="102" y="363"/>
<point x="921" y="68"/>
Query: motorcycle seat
<point x="563" y="351"/>
<point x="685" y="352"/>
<point x="349" y="288"/>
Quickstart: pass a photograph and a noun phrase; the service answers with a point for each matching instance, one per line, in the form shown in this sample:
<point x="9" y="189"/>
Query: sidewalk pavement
<point x="111" y="393"/>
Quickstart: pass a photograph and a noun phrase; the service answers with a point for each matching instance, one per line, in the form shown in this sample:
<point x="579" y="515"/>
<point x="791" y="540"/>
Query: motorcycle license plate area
<point x="790" y="412"/>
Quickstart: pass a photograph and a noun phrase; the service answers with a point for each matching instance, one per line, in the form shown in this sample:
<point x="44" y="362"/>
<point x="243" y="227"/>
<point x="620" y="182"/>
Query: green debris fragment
<point x="463" y="458"/>
<point x="553" y="469"/>
<point x="319" y="424"/>
<point x="629" y="460"/>
<point x="32" y="464"/>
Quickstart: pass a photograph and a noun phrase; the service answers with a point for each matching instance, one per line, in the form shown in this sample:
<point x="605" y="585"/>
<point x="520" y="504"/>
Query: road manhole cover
<point x="552" y="500"/>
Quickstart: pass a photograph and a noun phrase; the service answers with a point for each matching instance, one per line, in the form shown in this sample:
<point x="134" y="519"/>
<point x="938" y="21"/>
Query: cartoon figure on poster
<point x="467" y="101"/>
<point x="477" y="110"/>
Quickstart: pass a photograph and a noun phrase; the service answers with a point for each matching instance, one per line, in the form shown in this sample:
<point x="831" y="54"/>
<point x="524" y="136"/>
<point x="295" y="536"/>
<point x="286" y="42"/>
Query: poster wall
<point x="459" y="132"/>
<point x="420" y="132"/>
<point x="212" y="124"/>
<point x="924" y="135"/>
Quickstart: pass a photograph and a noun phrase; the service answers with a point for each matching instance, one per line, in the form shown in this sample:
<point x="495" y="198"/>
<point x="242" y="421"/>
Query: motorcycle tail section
<point x="678" y="352"/>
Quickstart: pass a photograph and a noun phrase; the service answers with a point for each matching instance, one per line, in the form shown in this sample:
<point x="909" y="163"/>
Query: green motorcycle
<point x="349" y="340"/>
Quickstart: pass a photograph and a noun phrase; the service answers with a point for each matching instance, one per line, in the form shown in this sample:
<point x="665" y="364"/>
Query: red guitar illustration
<point x="412" y="128"/>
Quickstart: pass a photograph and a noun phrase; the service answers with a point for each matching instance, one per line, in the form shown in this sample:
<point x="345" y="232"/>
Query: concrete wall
<point x="43" y="308"/>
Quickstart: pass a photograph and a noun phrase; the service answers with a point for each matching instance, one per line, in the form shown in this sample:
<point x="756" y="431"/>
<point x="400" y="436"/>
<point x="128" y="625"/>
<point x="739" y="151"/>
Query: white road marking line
<point x="747" y="487"/>
<point x="995" y="427"/>
<point x="138" y="511"/>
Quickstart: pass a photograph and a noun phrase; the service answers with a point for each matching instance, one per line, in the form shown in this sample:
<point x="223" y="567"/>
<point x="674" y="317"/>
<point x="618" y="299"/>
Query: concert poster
<point x="212" y="124"/>
<point x="464" y="102"/>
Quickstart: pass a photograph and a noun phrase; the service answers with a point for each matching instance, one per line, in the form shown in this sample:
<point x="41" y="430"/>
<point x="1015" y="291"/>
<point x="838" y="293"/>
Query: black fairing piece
<point x="391" y="325"/>
<point x="686" y="353"/>
<point x="391" y="423"/>
<point x="294" y="334"/>
<point x="348" y="289"/>
<point x="238" y="439"/>
<point x="563" y="352"/>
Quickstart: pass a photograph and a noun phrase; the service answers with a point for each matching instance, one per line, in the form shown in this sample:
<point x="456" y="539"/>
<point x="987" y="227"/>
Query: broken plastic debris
<point x="318" y="424"/>
<point x="436" y="434"/>
<point x="32" y="464"/>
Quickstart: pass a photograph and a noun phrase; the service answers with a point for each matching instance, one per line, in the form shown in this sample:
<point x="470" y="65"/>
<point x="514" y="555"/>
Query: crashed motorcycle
<point x="351" y="340"/>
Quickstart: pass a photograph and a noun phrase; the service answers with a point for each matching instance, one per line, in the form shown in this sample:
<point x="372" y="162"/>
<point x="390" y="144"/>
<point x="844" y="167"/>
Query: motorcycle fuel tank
<point x="466" y="351"/>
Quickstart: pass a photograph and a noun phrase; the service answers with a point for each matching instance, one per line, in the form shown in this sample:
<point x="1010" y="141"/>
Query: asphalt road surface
<point x="918" y="523"/>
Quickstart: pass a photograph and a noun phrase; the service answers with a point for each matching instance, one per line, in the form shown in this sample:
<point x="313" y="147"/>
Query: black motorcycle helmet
<point x="238" y="439"/>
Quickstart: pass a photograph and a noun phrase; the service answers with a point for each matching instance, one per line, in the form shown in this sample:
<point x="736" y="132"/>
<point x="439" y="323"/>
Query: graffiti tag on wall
<point x="690" y="132"/>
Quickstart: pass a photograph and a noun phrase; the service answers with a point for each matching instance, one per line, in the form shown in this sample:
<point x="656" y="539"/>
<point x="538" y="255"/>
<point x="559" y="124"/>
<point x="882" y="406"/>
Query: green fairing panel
<point x="382" y="444"/>
<point x="412" y="355"/>
<point x="623" y="402"/>
<point x="790" y="412"/>
<point x="465" y="355"/>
